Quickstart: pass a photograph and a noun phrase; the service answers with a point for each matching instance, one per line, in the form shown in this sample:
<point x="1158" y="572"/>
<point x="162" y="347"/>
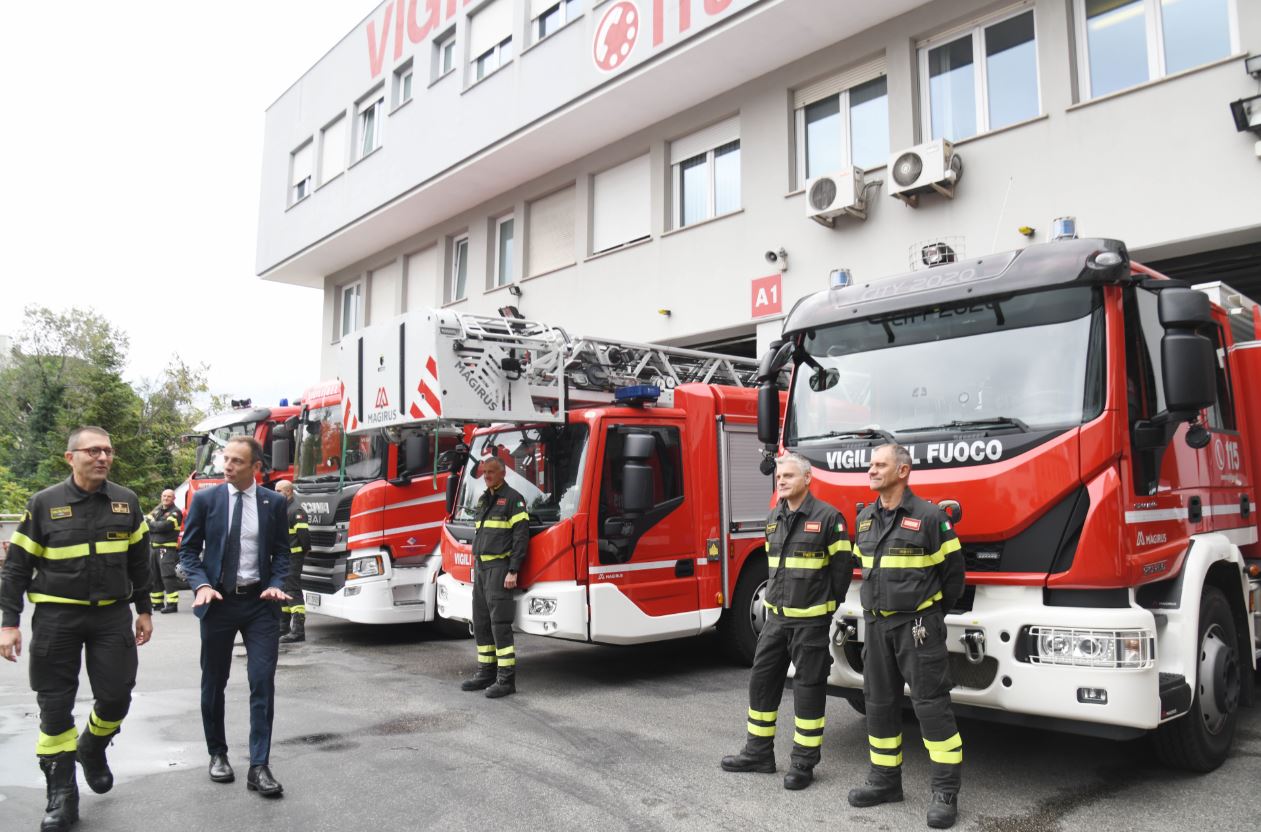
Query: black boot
<point x="482" y="679"/>
<point x="285" y="618"/>
<point x="91" y="755"/>
<point x="943" y="810"/>
<point x="171" y="607"/>
<point x="63" y="792"/>
<point x="798" y="777"/>
<point x="744" y="761"/>
<point x="505" y="683"/>
<point x="873" y="794"/>
<point x="297" y="629"/>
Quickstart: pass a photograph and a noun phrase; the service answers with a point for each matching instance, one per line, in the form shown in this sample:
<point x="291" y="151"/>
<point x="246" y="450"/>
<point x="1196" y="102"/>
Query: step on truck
<point x="375" y="503"/>
<point x="1093" y="431"/>
<point x="639" y="464"/>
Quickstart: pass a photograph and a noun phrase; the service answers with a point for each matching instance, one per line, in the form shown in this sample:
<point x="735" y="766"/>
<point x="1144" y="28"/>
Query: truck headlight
<point x="364" y="567"/>
<point x="1091" y="648"/>
<point x="542" y="606"/>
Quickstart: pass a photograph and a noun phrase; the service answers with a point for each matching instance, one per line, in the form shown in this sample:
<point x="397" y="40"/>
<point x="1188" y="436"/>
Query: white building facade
<point x="625" y="168"/>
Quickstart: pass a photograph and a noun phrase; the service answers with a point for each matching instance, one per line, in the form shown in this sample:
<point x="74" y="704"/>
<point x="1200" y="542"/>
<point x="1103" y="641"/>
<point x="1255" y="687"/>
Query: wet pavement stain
<point x="1047" y="814"/>
<point x="311" y="739"/>
<point x="421" y="723"/>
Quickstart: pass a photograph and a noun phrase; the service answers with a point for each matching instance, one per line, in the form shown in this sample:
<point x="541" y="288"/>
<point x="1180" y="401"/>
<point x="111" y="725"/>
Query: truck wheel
<point x="1200" y="739"/>
<point x="741" y="624"/>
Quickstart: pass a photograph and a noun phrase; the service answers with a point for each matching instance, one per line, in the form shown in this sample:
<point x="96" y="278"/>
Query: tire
<point x="740" y="625"/>
<point x="1200" y="739"/>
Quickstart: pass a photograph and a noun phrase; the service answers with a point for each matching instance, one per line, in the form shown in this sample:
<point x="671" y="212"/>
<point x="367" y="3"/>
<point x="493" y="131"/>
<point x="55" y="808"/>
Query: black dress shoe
<point x="871" y="794"/>
<point x="260" y="780"/>
<point x="221" y="769"/>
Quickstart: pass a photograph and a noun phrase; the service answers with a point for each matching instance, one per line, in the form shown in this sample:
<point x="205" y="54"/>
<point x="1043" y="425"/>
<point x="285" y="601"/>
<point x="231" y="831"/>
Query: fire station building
<point x="681" y="171"/>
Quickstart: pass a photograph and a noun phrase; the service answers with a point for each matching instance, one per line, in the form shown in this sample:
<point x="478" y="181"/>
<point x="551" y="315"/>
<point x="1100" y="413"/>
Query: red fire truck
<point x="1093" y="430"/>
<point x="269" y="425"/>
<point x="376" y="508"/>
<point x="639" y="465"/>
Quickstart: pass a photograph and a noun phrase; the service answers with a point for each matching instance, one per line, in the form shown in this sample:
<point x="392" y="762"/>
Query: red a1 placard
<point x="767" y="296"/>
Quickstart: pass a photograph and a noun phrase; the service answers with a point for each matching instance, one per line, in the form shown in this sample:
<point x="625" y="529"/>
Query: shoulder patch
<point x="945" y="525"/>
<point x="120" y="508"/>
<point x="911" y="523"/>
<point x="770" y="527"/>
<point x="813" y="526"/>
<point x="60" y="512"/>
<point x="840" y="526"/>
<point x="864" y="525"/>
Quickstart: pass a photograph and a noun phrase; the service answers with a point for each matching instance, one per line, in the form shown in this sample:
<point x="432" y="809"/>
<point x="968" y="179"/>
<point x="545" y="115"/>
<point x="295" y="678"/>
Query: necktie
<point x="232" y="551"/>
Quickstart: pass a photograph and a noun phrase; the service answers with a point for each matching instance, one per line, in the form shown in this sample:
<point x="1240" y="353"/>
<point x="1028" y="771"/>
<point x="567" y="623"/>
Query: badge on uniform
<point x="813" y="526"/>
<point x="117" y="536"/>
<point x="770" y="527"/>
<point x="60" y="512"/>
<point x="911" y="523"/>
<point x="502" y="501"/>
<point x="864" y="525"/>
<point x="120" y="508"/>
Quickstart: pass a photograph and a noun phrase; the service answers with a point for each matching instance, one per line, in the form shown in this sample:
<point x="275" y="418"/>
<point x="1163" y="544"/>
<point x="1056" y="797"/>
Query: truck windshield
<point x="319" y="456"/>
<point x="1032" y="361"/>
<point x="543" y="464"/>
<point x="209" y="462"/>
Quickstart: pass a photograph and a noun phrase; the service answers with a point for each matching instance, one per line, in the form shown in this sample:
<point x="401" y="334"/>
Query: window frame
<point x="444" y="46"/>
<point x="357" y="285"/>
<point x="453" y="268"/>
<point x="569" y="10"/>
<point x="307" y="184"/>
<point x="404" y="82"/>
<point x="711" y="195"/>
<point x="499" y="276"/>
<point x="1154" y="25"/>
<point x="980" y="81"/>
<point x="847" y="130"/>
<point x="324" y="132"/>
<point x="377" y="99"/>
<point x="497" y="51"/>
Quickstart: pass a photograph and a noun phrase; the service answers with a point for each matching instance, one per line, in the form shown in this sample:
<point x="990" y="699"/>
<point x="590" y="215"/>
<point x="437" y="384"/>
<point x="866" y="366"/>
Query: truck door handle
<point x="684" y="568"/>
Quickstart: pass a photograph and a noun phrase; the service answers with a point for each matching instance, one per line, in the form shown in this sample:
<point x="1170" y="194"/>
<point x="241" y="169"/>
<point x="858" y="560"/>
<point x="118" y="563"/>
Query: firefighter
<point x="81" y="554"/>
<point x="293" y="616"/>
<point x="912" y="572"/>
<point x="165" y="523"/>
<point x="809" y="567"/>
<point x="499" y="548"/>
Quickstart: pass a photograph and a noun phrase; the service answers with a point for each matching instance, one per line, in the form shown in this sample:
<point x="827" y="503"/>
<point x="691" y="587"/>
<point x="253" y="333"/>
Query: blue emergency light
<point x="637" y="394"/>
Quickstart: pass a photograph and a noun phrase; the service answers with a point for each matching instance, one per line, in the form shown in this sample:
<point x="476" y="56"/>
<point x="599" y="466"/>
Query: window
<point x="706" y="173"/>
<point x="490" y="37"/>
<point x="457" y="274"/>
<point x="370" y="110"/>
<point x="444" y="54"/>
<point x="350" y="305"/>
<point x="550" y="232"/>
<point x="333" y="149"/>
<point x="621" y="205"/>
<point x="403" y="85"/>
<point x="1128" y="42"/>
<point x="300" y="172"/>
<point x="1221" y="414"/>
<point x="422" y="274"/>
<point x="504" y="233"/>
<point x="841" y="121"/>
<point x="665" y="466"/>
<point x="549" y="16"/>
<point x="982" y="80"/>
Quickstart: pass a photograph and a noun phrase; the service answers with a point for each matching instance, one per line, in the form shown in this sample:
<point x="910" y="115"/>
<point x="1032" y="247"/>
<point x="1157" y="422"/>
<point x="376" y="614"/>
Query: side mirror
<point x="1189" y="370"/>
<point x="618" y="528"/>
<point x="822" y="379"/>
<point x="453" y="485"/>
<point x="291" y="424"/>
<point x="768" y="414"/>
<point x="413" y="455"/>
<point x="636" y="473"/>
<point x="281" y="457"/>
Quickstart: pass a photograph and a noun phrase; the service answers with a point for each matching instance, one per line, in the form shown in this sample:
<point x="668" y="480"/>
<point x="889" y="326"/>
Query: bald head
<point x="286" y="488"/>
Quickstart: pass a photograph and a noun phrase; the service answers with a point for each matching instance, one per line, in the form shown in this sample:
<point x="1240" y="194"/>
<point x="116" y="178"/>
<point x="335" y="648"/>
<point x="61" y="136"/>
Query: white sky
<point x="132" y="139"/>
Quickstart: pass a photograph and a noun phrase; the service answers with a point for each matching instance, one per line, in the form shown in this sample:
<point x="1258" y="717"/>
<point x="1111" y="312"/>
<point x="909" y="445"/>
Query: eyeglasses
<point x="96" y="453"/>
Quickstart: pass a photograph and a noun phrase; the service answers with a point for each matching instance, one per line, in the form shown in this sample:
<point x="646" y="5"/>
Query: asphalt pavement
<point x="372" y="732"/>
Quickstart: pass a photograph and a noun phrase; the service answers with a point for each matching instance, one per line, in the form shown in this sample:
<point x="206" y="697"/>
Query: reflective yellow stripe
<point x="761" y="730"/>
<point x="911" y="561"/>
<point x="172" y="597"/>
<point x="486" y="648"/>
<point x="772" y="561"/>
<point x="65" y="741"/>
<point x="484" y="659"/>
<point x="138" y="534"/>
<point x="809" y="724"/>
<point x="506" y="651"/>
<point x="764" y="716"/>
<point x="302" y="526"/>
<point x="948" y="757"/>
<point x="802" y="612"/>
<point x="300" y="609"/>
<point x="30" y="546"/>
<point x="885" y="742"/>
<point x="171" y="545"/>
<point x="944" y="745"/>
<point x="839" y="546"/>
<point x="40" y="598"/>
<point x="102" y="727"/>
<point x="517" y="518"/>
<point x="923" y="606"/>
<point x="806" y="563"/>
<point x="494" y="524"/>
<point x="890" y="760"/>
<point x="866" y="560"/>
<point x="111" y="547"/>
<point x="66" y="552"/>
<point x="295" y="550"/>
<point x="507" y="662"/>
<point x="808" y="741"/>
<point x="494" y="557"/>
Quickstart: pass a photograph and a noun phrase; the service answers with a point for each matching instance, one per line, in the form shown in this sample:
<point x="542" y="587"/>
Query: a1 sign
<point x="768" y="296"/>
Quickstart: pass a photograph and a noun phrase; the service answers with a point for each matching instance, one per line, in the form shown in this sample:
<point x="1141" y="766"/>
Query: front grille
<point x="323" y="539"/>
<point x="342" y="515"/>
<point x="324" y="573"/>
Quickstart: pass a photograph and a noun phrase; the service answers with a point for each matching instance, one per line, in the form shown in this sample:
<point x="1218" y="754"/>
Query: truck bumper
<point x="1006" y="681"/>
<point x="403" y="595"/>
<point x="548" y="608"/>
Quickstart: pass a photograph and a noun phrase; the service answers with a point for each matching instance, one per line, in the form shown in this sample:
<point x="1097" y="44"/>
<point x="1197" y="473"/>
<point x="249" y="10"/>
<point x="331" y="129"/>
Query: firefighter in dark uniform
<point x="165" y="523"/>
<point x="809" y="567"/>
<point x="499" y="548"/>
<point x="81" y="555"/>
<point x="293" y="616"/>
<point x="912" y="572"/>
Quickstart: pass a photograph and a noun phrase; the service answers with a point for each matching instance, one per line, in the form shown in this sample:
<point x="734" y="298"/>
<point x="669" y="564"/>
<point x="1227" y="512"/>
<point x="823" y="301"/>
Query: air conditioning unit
<point x="834" y="195"/>
<point x="933" y="166"/>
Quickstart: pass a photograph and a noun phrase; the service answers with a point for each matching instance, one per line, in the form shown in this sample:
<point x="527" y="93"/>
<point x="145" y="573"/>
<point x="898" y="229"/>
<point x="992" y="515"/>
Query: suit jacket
<point x="206" y="535"/>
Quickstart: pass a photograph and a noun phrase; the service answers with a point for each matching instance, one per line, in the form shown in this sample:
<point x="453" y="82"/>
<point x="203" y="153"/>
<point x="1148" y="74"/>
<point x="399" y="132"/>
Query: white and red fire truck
<point x="375" y="508"/>
<point x="271" y="426"/>
<point x="639" y="465"/>
<point x="1093" y="430"/>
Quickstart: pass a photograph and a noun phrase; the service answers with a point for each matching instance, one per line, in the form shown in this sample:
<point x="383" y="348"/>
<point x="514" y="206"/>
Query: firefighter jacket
<point x="910" y="558"/>
<point x="78" y="547"/>
<point x="503" y="527"/>
<point x="164" y="527"/>
<point x="299" y="530"/>
<point x="808" y="562"/>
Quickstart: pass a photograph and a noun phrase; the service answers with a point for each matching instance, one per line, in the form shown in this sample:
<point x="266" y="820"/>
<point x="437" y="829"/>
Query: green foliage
<point x="65" y="371"/>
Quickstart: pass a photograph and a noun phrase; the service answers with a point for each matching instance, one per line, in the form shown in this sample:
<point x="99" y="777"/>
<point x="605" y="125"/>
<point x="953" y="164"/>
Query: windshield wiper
<point x="858" y="433"/>
<point x="971" y="424"/>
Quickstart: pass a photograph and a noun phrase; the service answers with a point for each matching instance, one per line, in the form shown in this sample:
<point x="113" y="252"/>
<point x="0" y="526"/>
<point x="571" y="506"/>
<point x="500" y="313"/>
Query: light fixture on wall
<point x="777" y="257"/>
<point x="665" y="313"/>
<point x="514" y="290"/>
<point x="1247" y="114"/>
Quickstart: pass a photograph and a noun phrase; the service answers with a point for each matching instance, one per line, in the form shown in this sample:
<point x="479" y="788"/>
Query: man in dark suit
<point x="236" y="554"/>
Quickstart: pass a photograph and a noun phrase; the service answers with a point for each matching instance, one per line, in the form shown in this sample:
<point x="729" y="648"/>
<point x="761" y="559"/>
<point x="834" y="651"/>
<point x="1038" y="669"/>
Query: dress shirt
<point x="247" y="568"/>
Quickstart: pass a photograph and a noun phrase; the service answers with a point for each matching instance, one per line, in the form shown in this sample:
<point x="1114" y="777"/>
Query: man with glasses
<point x="81" y="555"/>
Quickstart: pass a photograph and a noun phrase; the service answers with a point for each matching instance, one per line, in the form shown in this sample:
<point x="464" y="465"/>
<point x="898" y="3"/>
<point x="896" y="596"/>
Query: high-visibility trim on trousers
<point x="948" y="751"/>
<point x="880" y="745"/>
<point x="102" y="727"/>
<point x="506" y="656"/>
<point x="47" y="745"/>
<point x="486" y="653"/>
